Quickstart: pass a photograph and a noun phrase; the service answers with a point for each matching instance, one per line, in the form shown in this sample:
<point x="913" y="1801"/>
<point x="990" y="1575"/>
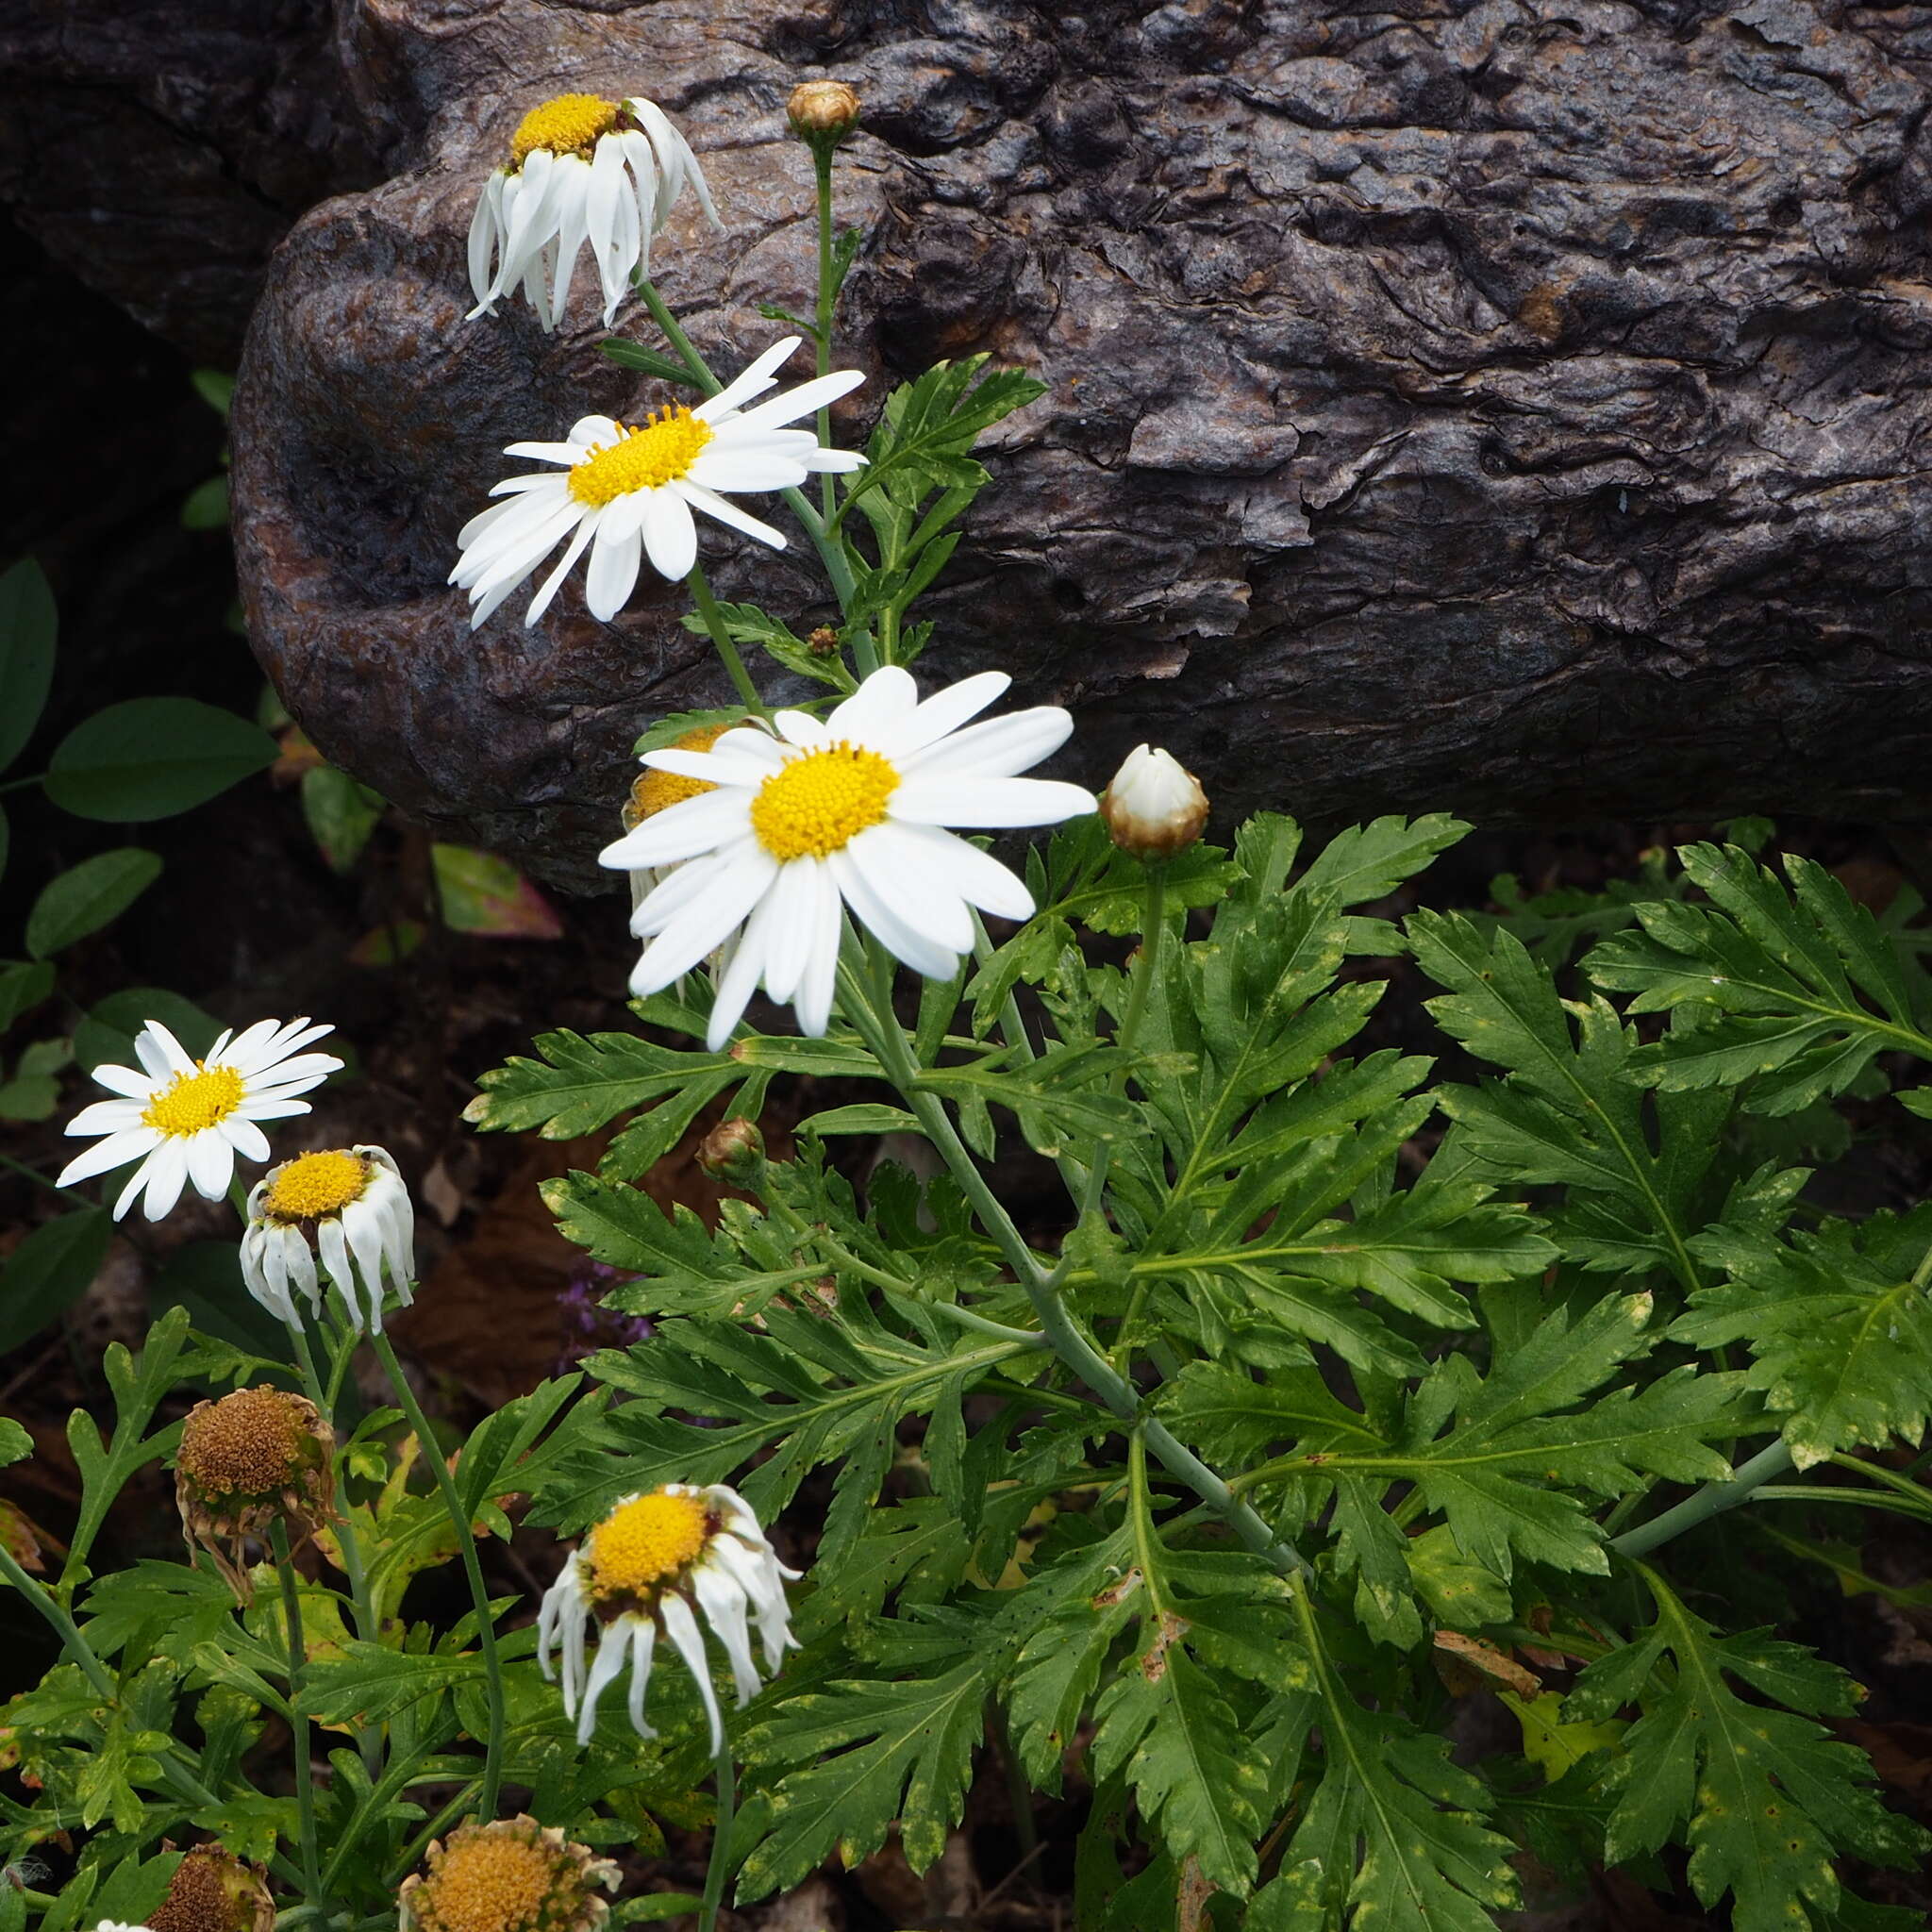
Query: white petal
<point x="117" y="1150"/>
<point x="986" y="803"/>
<point x="954" y="866"/>
<point x="568" y="454"/>
<point x="903" y="876"/>
<point x="814" y="1004"/>
<point x="902" y="939"/>
<point x="733" y="890"/>
<point x="614" y="570"/>
<point x="795" y="894"/>
<point x="671" y="537"/>
<point x="727" y="513"/>
<point x="944" y="713"/>
<point x="743" y="470"/>
<point x="643" y="1642"/>
<point x="166" y="1174"/>
<point x="107" y="1117"/>
<point x="800" y="728"/>
<point x="884" y="701"/>
<point x="998" y="748"/>
<point x="613" y="1646"/>
<point x="123" y="1080"/>
<point x="682" y="1629"/>
<point x="750" y="383"/>
<point x="712" y="766"/>
<point x="721" y="1599"/>
<point x="742" y="976"/>
<point x="174" y="1058"/>
<point x="681" y="831"/>
<point x="580" y="537"/>
<point x="484" y="234"/>
<point x="803" y="400"/>
<point x="210" y="1164"/>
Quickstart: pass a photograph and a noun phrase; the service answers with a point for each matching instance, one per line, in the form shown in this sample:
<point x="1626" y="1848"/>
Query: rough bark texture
<point x="1510" y="408"/>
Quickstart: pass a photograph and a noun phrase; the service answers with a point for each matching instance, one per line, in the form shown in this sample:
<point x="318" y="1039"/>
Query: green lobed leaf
<point x="1767" y="1797"/>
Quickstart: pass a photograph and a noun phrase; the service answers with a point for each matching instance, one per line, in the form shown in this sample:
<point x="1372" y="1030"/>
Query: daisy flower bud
<point x="646" y="1570"/>
<point x="734" y="1150"/>
<point x="819" y="816"/>
<point x="214" y="1892"/>
<point x="185" y="1119"/>
<point x="510" y="1875"/>
<point x="632" y="489"/>
<point x="580" y="169"/>
<point x="253" y="1456"/>
<point x="822" y="110"/>
<point x="1154" y="806"/>
<point x="350" y="1203"/>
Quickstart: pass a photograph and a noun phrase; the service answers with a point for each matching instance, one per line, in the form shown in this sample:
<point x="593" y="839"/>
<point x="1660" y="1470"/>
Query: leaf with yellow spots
<point x="1768" y="1797"/>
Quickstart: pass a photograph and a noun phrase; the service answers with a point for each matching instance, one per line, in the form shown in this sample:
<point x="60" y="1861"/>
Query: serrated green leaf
<point x="1767" y="1798"/>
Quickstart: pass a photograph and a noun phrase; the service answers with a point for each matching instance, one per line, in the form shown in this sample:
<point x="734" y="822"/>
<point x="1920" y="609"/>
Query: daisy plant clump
<point x="1177" y="1397"/>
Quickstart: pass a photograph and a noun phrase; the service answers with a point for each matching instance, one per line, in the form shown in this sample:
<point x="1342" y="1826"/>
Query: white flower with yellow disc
<point x="581" y="169"/>
<point x="649" y="1568"/>
<point x="350" y="1203"/>
<point x="185" y="1119"/>
<point x="813" y="817"/>
<point x="627" y="493"/>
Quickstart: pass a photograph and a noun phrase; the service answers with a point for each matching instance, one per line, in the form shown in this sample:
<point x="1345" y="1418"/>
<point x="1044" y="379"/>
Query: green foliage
<point x="152" y="758"/>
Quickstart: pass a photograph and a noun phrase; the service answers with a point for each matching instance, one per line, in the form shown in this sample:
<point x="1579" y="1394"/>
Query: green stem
<point x="33" y="1174"/>
<point x="822" y="165"/>
<point x="21" y="784"/>
<point x="882" y="1032"/>
<point x="298" y="1719"/>
<point x="1711" y="1499"/>
<point x="473" y="1569"/>
<point x="721" y="1842"/>
<point x="412" y="1855"/>
<point x="721" y="637"/>
<point x="662" y="315"/>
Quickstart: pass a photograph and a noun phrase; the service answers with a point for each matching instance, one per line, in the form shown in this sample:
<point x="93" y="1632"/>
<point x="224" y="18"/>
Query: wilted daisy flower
<point x="845" y="812"/>
<point x="351" y="1203"/>
<point x="253" y="1456"/>
<point x="212" y="1890"/>
<point x="511" y="1875"/>
<point x="185" y="1119"/>
<point x="630" y="491"/>
<point x="581" y="169"/>
<point x="651" y="1564"/>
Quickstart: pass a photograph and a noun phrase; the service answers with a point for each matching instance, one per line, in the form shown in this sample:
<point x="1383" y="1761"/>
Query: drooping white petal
<point x="721" y="1599"/>
<point x="896" y="932"/>
<point x="613" y="572"/>
<point x="734" y="890"/>
<point x="795" y="894"/>
<point x="727" y="513"/>
<point x="682" y="1629"/>
<point x="166" y="1173"/>
<point x="643" y="1642"/>
<point x="613" y="1647"/>
<point x="671" y="537"/>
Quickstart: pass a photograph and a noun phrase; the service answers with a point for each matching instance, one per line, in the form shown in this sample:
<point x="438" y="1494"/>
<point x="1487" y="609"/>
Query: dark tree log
<point x="1517" y="409"/>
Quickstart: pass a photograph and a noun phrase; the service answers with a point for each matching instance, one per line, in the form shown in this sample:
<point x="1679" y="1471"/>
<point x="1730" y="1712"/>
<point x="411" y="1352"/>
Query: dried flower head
<point x="823" y="111"/>
<point x="1155" y="808"/>
<point x="511" y="1876"/>
<point x="214" y="1892"/>
<point x="253" y="1456"/>
<point x="822" y="643"/>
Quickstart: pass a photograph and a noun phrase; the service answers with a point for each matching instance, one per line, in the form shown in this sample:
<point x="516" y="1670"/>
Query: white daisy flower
<point x="186" y="1120"/>
<point x="581" y="169"/>
<point x="649" y="1568"/>
<point x="352" y="1203"/>
<point x="847" y="812"/>
<point x="632" y="489"/>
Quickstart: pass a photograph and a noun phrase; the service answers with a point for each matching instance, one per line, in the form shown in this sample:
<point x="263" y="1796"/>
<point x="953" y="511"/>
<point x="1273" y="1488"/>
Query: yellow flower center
<point x="313" y="1185"/>
<point x="492" y="1882"/>
<point x="658" y="790"/>
<point x="647" y="1538"/>
<point x="822" y="801"/>
<point x="654" y="453"/>
<point x="193" y="1102"/>
<point x="570" y="125"/>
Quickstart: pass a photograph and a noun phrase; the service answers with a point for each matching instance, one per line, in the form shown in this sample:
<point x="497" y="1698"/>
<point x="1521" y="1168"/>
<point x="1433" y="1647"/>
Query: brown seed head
<point x="511" y="1876"/>
<point x="246" y="1459"/>
<point x="212" y="1891"/>
<point x="823" y="110"/>
<point x="822" y="642"/>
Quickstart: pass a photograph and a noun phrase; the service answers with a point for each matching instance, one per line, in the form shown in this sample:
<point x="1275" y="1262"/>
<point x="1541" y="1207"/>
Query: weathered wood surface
<point x="1517" y="409"/>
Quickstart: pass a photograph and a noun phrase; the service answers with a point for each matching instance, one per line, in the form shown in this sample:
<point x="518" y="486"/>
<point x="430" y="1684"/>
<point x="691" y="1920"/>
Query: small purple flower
<point x="588" y="1324"/>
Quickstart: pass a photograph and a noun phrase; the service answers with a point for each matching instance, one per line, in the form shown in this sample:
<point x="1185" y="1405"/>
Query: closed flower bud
<point x="253" y="1456"/>
<point x="823" y="110"/>
<point x="734" y="1150"/>
<point x="1154" y="806"/>
<point x="214" y="1891"/>
<point x="510" y="1875"/>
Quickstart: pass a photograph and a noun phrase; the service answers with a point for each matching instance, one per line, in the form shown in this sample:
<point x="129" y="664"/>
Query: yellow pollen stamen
<point x="822" y="801"/>
<point x="570" y="125"/>
<point x="658" y="790"/>
<point x="313" y="1185"/>
<point x="654" y="453"/>
<point x="646" y="1539"/>
<point x="194" y="1102"/>
<point x="493" y="1884"/>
